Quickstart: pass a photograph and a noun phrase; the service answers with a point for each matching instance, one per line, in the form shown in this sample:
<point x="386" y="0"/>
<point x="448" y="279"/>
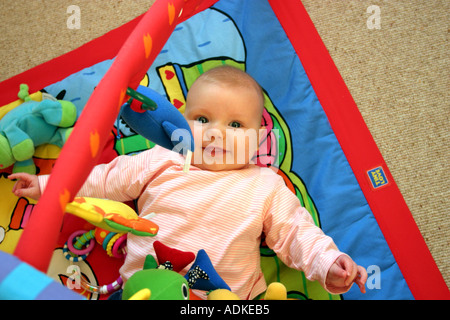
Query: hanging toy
<point x="112" y="216"/>
<point x="81" y="243"/>
<point x="105" y="289"/>
<point x="152" y="116"/>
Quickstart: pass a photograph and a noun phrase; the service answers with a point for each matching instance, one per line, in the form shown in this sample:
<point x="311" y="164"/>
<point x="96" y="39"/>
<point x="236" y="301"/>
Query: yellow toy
<point x="111" y="216"/>
<point x="222" y="294"/>
<point x="276" y="291"/>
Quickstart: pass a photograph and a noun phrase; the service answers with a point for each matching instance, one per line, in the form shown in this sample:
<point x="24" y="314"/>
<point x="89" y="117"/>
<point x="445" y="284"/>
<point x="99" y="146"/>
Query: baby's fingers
<point x="361" y="279"/>
<point x="25" y="185"/>
<point x="19" y="175"/>
<point x="23" y="178"/>
<point x="17" y="185"/>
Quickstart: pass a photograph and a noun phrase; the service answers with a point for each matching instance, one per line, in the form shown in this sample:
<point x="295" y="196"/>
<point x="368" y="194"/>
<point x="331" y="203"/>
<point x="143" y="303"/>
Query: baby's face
<point x="226" y="124"/>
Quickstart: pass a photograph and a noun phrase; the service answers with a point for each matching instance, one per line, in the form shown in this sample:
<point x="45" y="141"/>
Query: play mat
<point x="317" y="141"/>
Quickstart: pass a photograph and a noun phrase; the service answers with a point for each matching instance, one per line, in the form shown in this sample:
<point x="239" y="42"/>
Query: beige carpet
<point x="398" y="75"/>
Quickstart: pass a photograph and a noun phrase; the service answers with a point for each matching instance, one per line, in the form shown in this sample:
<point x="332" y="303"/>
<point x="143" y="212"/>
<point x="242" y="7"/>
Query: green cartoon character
<point x="32" y="124"/>
<point x="156" y="284"/>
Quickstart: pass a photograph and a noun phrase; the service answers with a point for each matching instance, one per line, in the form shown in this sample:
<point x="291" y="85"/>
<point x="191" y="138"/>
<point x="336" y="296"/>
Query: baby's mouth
<point x="214" y="151"/>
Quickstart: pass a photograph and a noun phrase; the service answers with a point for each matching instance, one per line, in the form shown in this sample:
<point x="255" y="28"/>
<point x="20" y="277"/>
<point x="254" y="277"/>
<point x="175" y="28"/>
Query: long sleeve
<point x="298" y="242"/>
<point x="122" y="179"/>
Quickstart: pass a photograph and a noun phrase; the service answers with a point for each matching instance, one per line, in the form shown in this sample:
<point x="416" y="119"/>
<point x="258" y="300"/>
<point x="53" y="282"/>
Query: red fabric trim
<point x="387" y="204"/>
<point x="391" y="212"/>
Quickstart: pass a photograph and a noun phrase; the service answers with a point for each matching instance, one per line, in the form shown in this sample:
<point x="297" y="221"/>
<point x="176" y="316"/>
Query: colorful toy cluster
<point x="160" y="277"/>
<point x="33" y="123"/>
<point x="106" y="102"/>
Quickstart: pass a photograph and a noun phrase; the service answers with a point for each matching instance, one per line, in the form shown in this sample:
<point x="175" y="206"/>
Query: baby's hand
<point x="343" y="273"/>
<point x="26" y="186"/>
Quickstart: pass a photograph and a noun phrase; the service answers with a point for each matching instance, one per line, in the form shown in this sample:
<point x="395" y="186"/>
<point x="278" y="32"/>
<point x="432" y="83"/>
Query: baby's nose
<point x="213" y="133"/>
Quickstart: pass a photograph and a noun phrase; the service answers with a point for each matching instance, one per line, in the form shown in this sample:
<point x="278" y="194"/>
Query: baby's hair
<point x="233" y="76"/>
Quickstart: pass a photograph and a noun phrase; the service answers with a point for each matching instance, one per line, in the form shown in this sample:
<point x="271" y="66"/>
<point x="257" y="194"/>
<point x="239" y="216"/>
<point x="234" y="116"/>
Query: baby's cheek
<point x="246" y="142"/>
<point x="198" y="136"/>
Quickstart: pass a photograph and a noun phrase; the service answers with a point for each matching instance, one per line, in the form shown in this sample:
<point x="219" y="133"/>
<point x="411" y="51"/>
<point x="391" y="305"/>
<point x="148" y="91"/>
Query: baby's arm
<point x="27" y="185"/>
<point x="300" y="244"/>
<point x="32" y="186"/>
<point x="121" y="180"/>
<point x="96" y="185"/>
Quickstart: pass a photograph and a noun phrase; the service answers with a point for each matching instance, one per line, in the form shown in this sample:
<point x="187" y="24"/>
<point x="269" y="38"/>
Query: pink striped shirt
<point x="222" y="212"/>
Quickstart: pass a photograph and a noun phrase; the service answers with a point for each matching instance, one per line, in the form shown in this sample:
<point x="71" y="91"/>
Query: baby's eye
<point x="235" y="124"/>
<point x="201" y="119"/>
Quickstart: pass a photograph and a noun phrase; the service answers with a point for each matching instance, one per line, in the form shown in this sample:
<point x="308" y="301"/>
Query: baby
<point x="224" y="203"/>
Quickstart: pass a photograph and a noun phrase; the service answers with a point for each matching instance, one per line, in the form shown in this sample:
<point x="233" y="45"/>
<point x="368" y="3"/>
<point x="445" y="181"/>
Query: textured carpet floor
<point x="398" y="75"/>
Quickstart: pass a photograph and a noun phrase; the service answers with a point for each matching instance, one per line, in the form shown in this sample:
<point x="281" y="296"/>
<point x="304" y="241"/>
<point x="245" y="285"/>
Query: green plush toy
<point x="32" y="124"/>
<point x="161" y="284"/>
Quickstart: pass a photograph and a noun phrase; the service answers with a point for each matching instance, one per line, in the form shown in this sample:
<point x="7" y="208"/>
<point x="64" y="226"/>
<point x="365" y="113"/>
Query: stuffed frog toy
<point x="31" y="124"/>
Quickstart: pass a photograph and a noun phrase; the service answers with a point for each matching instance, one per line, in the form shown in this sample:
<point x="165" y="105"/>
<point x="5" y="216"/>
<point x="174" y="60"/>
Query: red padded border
<point x="388" y="206"/>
